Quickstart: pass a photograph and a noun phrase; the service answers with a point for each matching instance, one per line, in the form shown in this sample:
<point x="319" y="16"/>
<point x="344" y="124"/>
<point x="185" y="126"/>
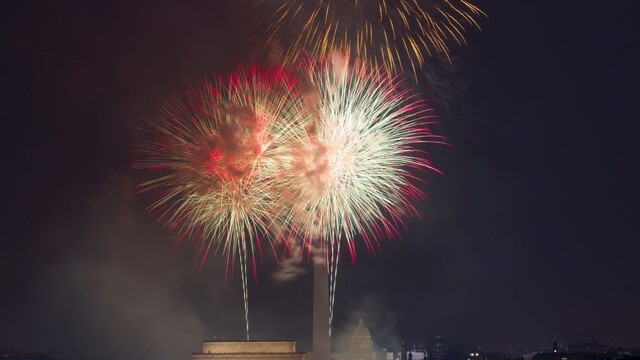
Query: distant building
<point x="56" y="355"/>
<point x="588" y="348"/>
<point x="248" y="350"/>
<point x="495" y="355"/>
<point x="462" y="352"/>
<point x="437" y="349"/>
<point x="13" y="355"/>
<point x="624" y="353"/>
<point x="417" y="355"/>
<point x="560" y="356"/>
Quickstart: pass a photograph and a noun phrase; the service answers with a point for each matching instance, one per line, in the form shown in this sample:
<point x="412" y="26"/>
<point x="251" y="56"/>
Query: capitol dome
<point x="361" y="339"/>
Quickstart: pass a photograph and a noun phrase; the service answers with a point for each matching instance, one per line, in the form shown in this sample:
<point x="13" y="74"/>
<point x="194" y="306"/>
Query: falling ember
<point x="398" y="35"/>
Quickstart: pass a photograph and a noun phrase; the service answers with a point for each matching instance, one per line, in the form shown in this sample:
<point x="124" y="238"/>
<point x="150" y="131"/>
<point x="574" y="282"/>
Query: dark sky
<point x="532" y="234"/>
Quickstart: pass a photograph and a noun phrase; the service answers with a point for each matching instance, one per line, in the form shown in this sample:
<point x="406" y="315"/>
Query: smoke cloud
<point x="124" y="292"/>
<point x="290" y="268"/>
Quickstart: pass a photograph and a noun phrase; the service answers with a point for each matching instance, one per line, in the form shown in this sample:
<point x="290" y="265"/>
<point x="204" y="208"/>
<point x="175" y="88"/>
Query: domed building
<point x="360" y="345"/>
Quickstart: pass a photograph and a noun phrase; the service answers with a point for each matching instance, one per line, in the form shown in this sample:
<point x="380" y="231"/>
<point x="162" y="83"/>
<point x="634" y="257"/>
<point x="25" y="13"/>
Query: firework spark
<point x="398" y="35"/>
<point x="215" y="155"/>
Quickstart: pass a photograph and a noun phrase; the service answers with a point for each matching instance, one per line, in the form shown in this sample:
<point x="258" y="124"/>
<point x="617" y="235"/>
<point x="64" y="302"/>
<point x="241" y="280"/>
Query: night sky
<point x="532" y="233"/>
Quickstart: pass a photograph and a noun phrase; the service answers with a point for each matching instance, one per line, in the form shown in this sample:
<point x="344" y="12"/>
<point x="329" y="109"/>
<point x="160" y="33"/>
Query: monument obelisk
<point x="321" y="340"/>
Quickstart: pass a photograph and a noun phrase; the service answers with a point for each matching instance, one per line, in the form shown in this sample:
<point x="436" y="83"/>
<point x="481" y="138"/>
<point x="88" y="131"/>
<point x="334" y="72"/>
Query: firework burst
<point x="398" y="35"/>
<point x="215" y="155"/>
<point x="355" y="169"/>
